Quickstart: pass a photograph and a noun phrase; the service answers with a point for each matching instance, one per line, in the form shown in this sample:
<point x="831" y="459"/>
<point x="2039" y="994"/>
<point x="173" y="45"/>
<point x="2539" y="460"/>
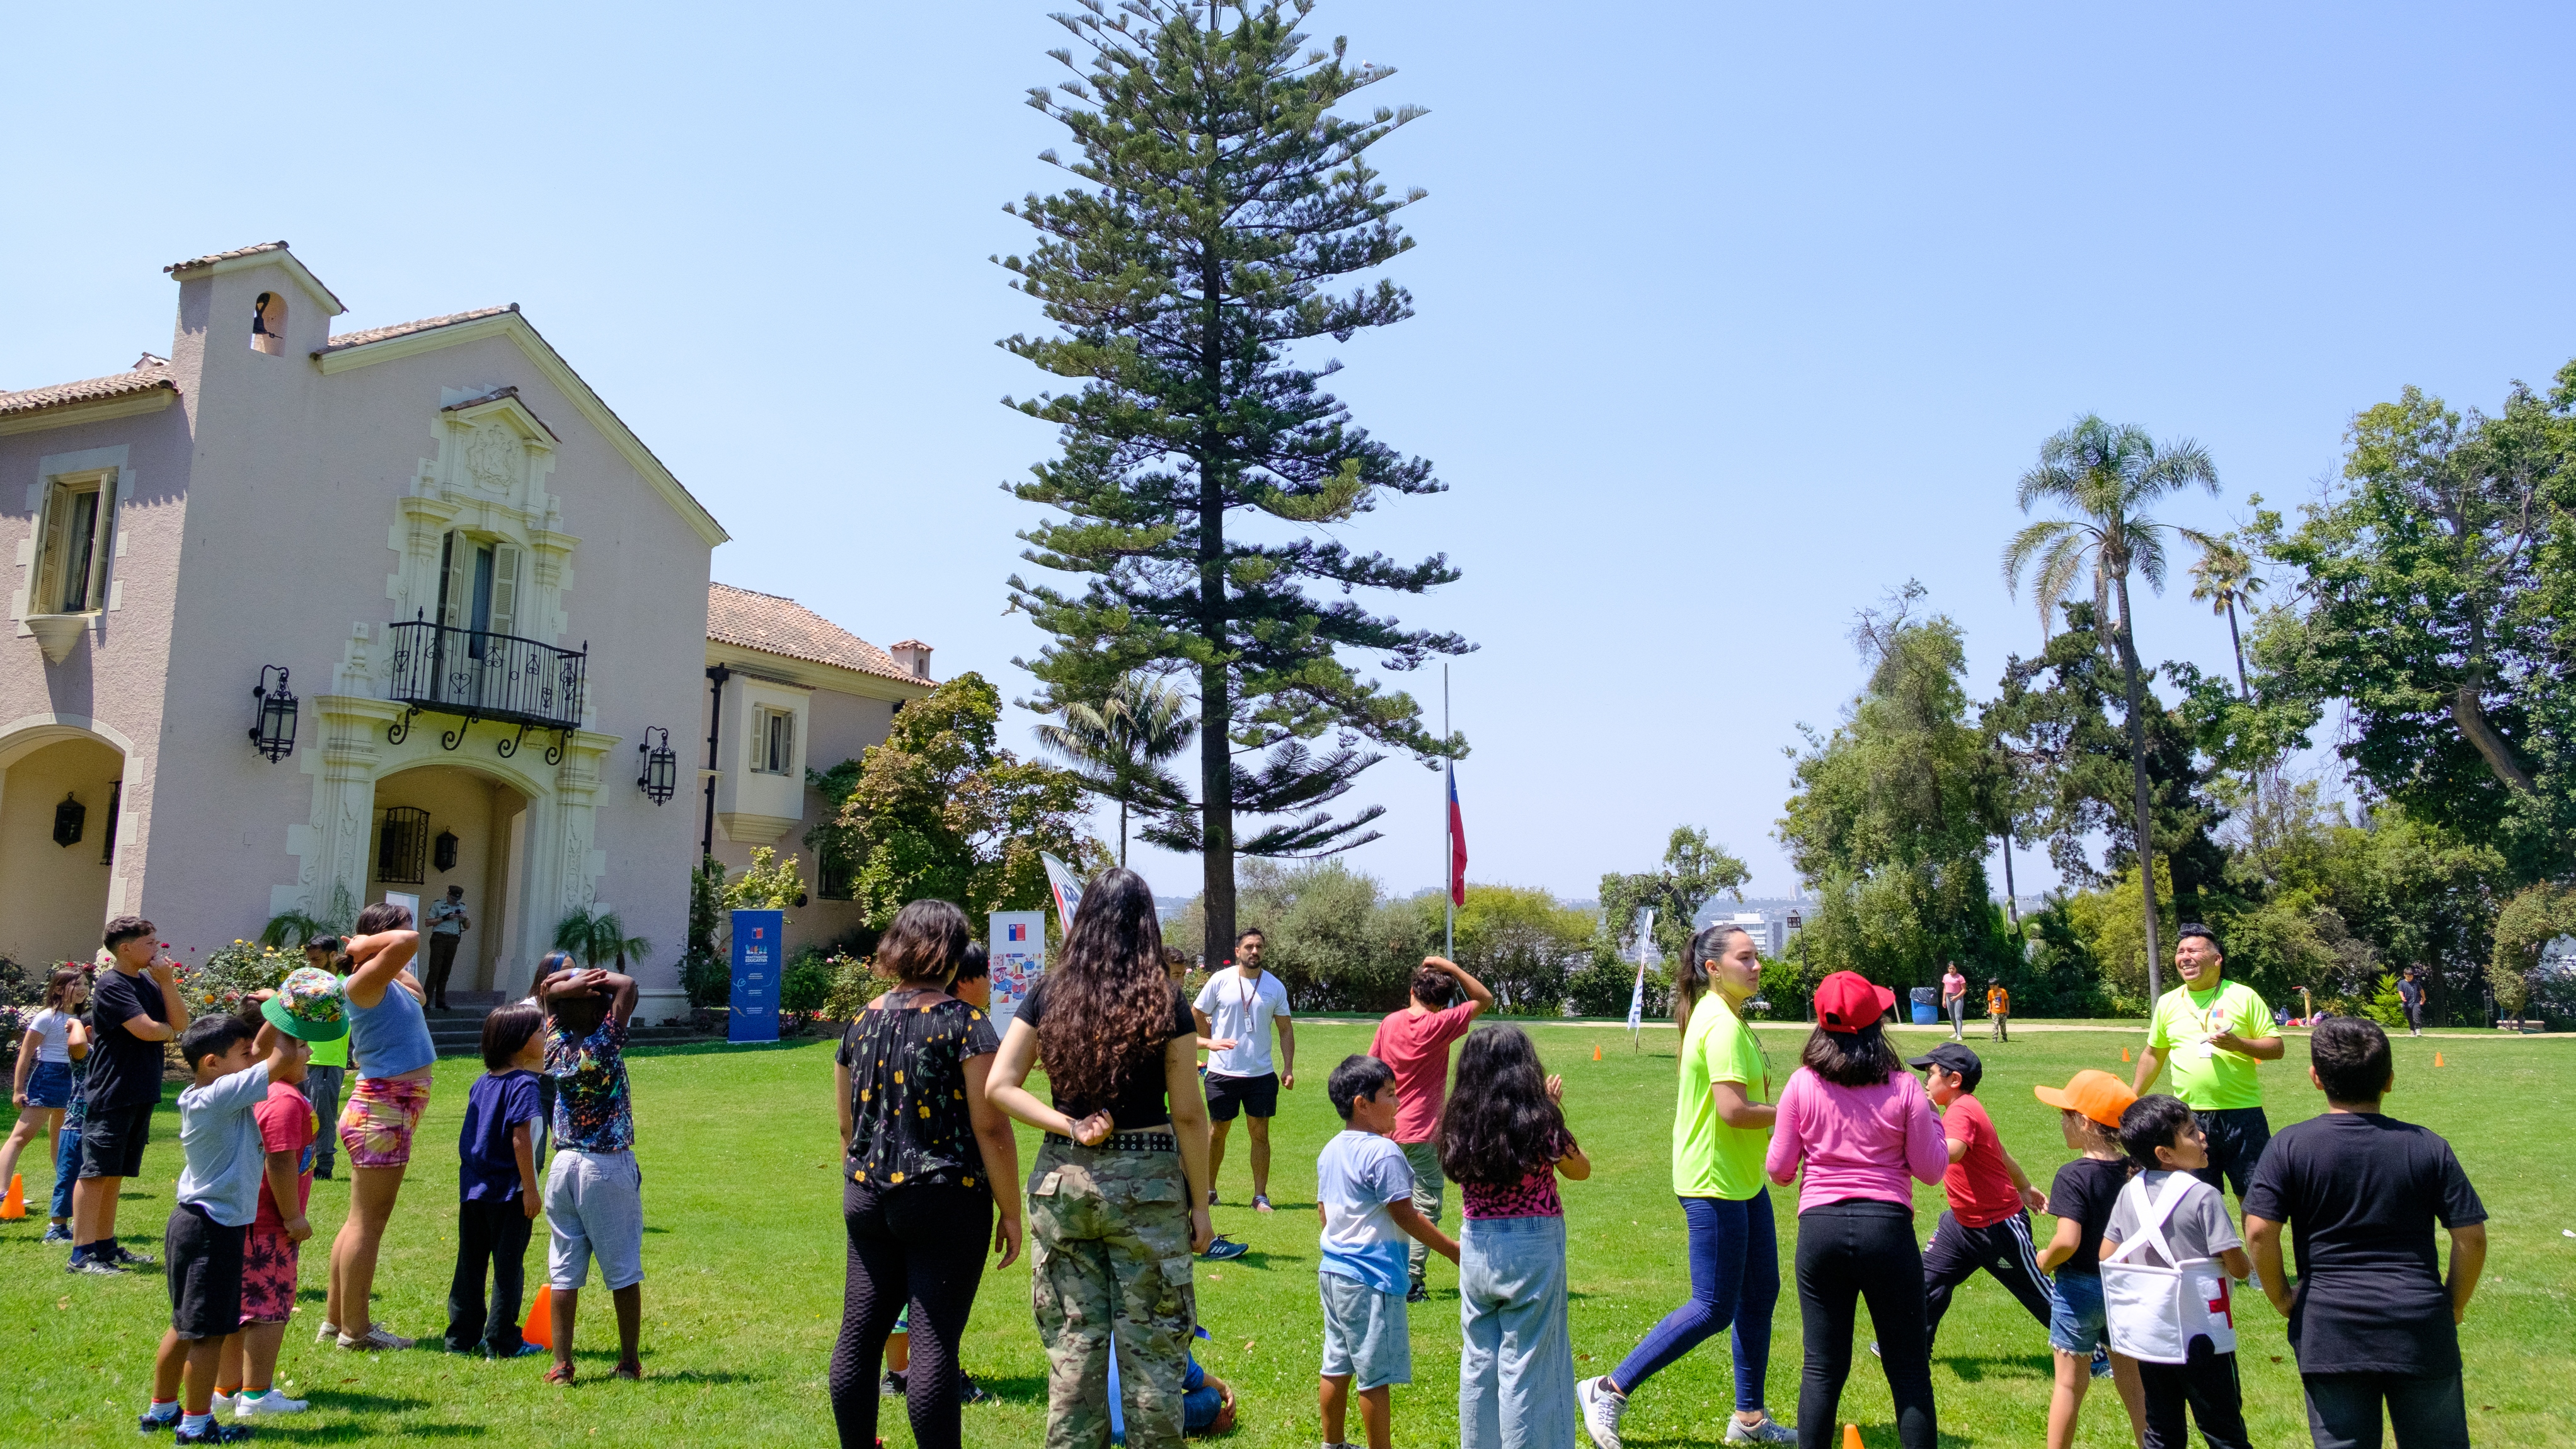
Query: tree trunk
<point x="2012" y="903"/>
<point x="1216" y="704"/>
<point x="2471" y="716"/>
<point x="2138" y="778"/>
<point x="2242" y="690"/>
<point x="1122" y="833"/>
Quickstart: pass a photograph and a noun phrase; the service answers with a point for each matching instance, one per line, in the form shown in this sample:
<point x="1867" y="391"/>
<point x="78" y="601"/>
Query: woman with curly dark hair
<point x="1503" y="1141"/>
<point x="1115" y="1205"/>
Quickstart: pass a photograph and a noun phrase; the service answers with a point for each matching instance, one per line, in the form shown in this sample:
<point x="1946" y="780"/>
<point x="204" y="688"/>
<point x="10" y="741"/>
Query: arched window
<point x="268" y="325"/>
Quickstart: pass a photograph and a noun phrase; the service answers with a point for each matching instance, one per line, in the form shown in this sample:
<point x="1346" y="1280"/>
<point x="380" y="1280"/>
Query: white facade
<point x="483" y="584"/>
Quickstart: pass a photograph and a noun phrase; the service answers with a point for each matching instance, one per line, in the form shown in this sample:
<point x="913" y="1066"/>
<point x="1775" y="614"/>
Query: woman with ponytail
<point x="1861" y="1125"/>
<point x="1720" y="1127"/>
<point x="1116" y="1200"/>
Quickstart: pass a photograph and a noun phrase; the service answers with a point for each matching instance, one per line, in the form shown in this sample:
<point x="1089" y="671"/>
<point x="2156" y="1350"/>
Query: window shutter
<point x="505" y="589"/>
<point x="785" y="764"/>
<point x="47" y="595"/>
<point x="99" y="550"/>
<point x="456" y="592"/>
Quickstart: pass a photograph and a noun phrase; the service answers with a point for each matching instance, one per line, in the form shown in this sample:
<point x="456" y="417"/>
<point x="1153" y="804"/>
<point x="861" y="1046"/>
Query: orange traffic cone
<point x="2124" y="1054"/>
<point x="1851" y="1436"/>
<point x="1596" y="1051"/>
<point x="540" y="1327"/>
<point x="14" y="1206"/>
<point x="13" y="1186"/>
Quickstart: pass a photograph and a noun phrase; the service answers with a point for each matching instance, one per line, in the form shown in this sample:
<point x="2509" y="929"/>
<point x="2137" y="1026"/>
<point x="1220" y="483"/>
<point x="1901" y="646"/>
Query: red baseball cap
<point x="1847" y="1001"/>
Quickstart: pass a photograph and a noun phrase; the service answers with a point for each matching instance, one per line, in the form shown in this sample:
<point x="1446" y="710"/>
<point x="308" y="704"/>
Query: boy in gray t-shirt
<point x="2164" y="1141"/>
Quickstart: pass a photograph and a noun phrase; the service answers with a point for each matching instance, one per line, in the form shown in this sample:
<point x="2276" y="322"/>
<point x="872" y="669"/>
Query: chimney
<point x="913" y="657"/>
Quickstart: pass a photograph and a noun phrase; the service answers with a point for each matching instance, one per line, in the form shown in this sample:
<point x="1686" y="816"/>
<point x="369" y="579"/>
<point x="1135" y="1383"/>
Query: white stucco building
<point x="484" y="586"/>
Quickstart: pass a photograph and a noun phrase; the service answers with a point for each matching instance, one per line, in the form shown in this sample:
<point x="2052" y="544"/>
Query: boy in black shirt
<point x="136" y="1008"/>
<point x="2371" y="1318"/>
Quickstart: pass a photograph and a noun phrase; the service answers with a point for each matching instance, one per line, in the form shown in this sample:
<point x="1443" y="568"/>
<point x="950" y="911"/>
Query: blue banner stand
<point x="756" y="956"/>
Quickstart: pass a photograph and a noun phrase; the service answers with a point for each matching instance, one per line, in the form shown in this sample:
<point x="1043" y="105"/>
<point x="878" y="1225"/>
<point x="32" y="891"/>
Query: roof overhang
<point x="807" y="674"/>
<point x="66" y="415"/>
<point x="514" y="328"/>
<point x="277" y="256"/>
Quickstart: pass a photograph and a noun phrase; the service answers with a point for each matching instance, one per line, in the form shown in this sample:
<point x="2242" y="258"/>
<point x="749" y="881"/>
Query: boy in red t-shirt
<point x="246" y="1373"/>
<point x="1415" y="1042"/>
<point x="1987" y="1226"/>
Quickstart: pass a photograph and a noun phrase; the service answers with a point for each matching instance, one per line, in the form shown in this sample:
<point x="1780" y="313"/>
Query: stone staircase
<point x="458" y="1030"/>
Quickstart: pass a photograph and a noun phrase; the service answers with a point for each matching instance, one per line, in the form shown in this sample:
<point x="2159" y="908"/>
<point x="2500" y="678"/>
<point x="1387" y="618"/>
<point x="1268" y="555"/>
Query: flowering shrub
<point x="229" y="976"/>
<point x="855" y="983"/>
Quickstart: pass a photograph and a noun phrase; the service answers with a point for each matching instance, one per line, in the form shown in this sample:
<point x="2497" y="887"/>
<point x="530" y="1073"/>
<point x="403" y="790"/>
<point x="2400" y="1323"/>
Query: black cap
<point x="1952" y="1056"/>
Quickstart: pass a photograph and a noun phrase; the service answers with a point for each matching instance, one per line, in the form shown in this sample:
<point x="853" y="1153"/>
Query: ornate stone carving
<point x="492" y="456"/>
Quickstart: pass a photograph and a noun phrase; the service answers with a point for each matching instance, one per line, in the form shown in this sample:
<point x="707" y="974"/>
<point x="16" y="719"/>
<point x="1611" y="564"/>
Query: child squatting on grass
<point x="1364" y="1194"/>
<point x="218" y="1197"/>
<point x="594" y="1191"/>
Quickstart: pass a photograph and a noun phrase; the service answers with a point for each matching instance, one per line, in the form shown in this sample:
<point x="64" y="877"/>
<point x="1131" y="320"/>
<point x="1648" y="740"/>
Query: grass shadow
<point x="2000" y="1366"/>
<point x="363" y="1403"/>
<point x="696" y="1376"/>
<point x="1019" y="1390"/>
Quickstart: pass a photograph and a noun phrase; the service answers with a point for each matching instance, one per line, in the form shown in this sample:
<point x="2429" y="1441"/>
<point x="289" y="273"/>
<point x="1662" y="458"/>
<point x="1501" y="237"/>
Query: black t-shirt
<point x="1139" y="1101"/>
<point x="124" y="1069"/>
<point x="909" y="1120"/>
<point x="2085" y="1190"/>
<point x="2361" y="1193"/>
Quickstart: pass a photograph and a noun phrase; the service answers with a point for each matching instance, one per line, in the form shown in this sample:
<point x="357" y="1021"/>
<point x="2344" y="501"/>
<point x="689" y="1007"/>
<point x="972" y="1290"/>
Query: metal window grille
<point x="402" y="846"/>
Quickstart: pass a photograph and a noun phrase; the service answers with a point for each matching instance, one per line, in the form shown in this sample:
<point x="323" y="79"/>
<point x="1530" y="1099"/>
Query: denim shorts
<point x="50" y="1085"/>
<point x="2076" y="1325"/>
<point x="1364" y="1334"/>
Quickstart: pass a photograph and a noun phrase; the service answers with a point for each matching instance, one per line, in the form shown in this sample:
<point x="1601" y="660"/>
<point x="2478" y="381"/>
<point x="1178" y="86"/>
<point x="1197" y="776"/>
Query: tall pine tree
<point x="1219" y="199"/>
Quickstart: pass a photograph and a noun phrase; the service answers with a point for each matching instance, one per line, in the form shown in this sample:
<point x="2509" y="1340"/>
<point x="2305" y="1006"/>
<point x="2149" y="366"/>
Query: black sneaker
<point x="969" y="1392"/>
<point x="132" y="1259"/>
<point x="892" y="1386"/>
<point x="1418" y="1293"/>
<point x="216" y="1433"/>
<point x="99" y="1266"/>
<point x="155" y="1424"/>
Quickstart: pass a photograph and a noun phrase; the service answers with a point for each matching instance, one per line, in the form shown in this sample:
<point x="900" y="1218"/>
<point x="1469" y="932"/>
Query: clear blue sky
<point x="1730" y="317"/>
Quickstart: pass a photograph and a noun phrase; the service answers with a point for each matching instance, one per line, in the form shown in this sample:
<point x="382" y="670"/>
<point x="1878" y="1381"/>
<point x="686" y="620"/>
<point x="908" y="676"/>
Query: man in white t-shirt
<point x="1242" y="1002"/>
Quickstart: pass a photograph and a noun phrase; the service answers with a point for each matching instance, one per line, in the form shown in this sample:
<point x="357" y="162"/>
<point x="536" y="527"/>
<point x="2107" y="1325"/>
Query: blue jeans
<point x="1735" y="1283"/>
<point x="1516" y="1369"/>
<point x="67" y="1163"/>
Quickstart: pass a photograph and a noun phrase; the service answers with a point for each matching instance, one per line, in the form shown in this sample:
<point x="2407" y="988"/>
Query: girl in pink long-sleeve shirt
<point x="1861" y="1126"/>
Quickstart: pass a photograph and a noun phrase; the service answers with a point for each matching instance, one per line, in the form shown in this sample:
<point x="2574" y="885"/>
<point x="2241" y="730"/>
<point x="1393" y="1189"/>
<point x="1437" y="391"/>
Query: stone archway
<point x="61" y="795"/>
<point x="465" y="827"/>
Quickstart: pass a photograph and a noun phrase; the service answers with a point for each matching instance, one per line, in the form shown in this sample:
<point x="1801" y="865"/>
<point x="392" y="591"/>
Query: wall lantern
<point x="661" y="777"/>
<point x="272" y="730"/>
<point x="68" y="818"/>
<point x="442" y="851"/>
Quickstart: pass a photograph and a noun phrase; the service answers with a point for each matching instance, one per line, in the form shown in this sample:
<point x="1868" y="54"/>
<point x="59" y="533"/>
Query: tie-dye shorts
<point x="377" y="1124"/>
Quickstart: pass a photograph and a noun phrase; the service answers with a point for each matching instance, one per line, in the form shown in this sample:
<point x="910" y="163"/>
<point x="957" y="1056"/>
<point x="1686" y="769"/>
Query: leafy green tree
<point x="1519" y="940"/>
<point x="1219" y="198"/>
<point x="704" y="973"/>
<point x="1693" y="872"/>
<point x="2107" y="477"/>
<point x="939" y="810"/>
<point x="2224" y="579"/>
<point x="2435" y="586"/>
<point x="2529" y="922"/>
<point x="1119" y="744"/>
<point x="1334" y="939"/>
<point x="1885" y="826"/>
<point x="594" y="936"/>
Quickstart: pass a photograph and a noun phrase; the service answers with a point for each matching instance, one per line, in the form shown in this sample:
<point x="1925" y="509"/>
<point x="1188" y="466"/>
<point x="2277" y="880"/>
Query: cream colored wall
<point x="836" y="727"/>
<point x="478" y="809"/>
<point x="53" y="898"/>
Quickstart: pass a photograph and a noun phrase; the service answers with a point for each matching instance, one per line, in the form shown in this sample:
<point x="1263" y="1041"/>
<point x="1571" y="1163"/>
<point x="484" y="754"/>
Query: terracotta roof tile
<point x="774" y="625"/>
<point x="402" y="329"/>
<point x="152" y="373"/>
<point x="193" y="263"/>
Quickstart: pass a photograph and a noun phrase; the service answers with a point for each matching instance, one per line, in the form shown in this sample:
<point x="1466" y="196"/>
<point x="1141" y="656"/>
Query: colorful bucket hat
<point x="307" y="1006"/>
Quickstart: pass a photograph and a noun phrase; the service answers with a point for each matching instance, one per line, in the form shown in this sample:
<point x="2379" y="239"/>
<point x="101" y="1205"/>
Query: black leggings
<point x="1847" y="1251"/>
<point x="918" y="1245"/>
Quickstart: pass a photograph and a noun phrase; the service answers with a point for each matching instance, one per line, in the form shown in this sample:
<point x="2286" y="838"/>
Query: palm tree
<point x="1118" y="745"/>
<point x="2107" y="476"/>
<point x="592" y="937"/>
<point x="2223" y="579"/>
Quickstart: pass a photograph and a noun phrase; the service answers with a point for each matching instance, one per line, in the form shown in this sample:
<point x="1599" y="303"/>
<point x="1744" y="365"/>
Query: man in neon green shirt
<point x="2213" y="1031"/>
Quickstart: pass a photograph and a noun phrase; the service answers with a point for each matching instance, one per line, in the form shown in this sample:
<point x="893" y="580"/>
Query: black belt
<point x="1123" y="1142"/>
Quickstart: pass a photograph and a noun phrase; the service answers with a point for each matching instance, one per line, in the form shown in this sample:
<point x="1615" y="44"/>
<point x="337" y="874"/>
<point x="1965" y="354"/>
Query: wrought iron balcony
<point x="475" y="674"/>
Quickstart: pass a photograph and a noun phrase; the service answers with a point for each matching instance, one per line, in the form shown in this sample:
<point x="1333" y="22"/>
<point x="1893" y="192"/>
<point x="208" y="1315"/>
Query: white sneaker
<point x="329" y="1332"/>
<point x="220" y="1404"/>
<point x="1769" y="1431"/>
<point x="1600" y="1408"/>
<point x="274" y="1401"/>
<point x="377" y="1336"/>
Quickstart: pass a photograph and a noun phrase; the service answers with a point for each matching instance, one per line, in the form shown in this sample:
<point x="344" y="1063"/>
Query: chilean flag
<point x="1457" y="843"/>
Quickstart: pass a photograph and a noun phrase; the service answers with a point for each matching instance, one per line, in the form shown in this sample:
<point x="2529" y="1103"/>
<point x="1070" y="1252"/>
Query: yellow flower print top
<point x="907" y="1057"/>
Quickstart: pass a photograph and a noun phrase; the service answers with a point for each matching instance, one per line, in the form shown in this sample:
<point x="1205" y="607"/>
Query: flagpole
<point x="1448" y="838"/>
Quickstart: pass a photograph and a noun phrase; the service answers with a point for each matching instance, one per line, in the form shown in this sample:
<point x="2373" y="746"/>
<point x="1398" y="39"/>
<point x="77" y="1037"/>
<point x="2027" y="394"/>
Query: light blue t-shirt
<point x="1357" y="1175"/>
<point x="219" y="1135"/>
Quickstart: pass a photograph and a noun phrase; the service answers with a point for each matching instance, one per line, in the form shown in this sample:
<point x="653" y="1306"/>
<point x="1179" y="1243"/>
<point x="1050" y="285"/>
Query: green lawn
<point x="743" y="1264"/>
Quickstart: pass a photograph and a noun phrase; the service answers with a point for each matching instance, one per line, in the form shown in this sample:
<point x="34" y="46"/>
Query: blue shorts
<point x="50" y="1085"/>
<point x="2077" y="1324"/>
<point x="1364" y="1334"/>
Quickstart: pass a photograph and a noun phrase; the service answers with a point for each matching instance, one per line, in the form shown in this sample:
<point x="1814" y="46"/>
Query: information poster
<point x="1017" y="952"/>
<point x="409" y="903"/>
<point x="754" y="1016"/>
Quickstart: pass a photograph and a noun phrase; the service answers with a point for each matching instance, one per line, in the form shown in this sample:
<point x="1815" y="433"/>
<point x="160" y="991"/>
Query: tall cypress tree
<point x="1219" y="198"/>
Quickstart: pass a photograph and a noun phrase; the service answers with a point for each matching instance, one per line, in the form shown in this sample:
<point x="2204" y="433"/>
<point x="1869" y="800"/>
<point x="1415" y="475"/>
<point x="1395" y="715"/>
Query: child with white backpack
<point x="2168" y="1306"/>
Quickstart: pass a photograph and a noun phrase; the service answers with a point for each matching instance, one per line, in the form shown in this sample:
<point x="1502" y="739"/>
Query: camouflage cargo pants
<point x="1111" y="1263"/>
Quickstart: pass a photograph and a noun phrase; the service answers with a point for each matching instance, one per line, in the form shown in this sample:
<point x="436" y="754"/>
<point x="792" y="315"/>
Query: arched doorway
<point x="60" y="790"/>
<point x="444" y="825"/>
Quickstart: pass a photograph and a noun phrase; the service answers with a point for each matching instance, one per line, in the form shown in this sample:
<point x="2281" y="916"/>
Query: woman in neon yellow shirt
<point x="1721" y="1128"/>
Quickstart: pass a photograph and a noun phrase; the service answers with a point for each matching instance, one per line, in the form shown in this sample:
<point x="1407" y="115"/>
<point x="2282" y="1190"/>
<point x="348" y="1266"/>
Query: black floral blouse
<point x="908" y="1114"/>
